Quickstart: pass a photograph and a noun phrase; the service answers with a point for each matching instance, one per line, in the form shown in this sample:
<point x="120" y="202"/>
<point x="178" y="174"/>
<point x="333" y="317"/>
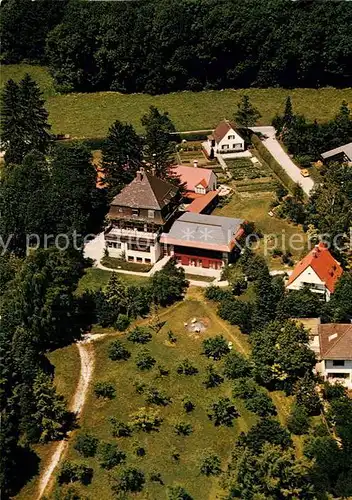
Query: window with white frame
<point x="225" y="146"/>
<point x="151" y="214"/>
<point x="231" y="137"/>
<point x="114" y="244"/>
<point x="200" y="189"/>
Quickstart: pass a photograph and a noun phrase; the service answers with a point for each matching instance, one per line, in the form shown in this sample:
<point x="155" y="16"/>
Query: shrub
<point x="255" y="397"/>
<point x="239" y="286"/>
<point x="145" y="360"/>
<point x="236" y="366"/>
<point x="104" y="390"/>
<point x="172" y="338"/>
<point x="237" y="313"/>
<point x="175" y="454"/>
<point x="73" y="471"/>
<point x="129" y="480"/>
<point x="140" y="387"/>
<point x="217" y="294"/>
<point x="86" y="444"/>
<point x="117" y="351"/>
<point x="177" y="492"/>
<point x="188" y="405"/>
<point x="211" y="465"/>
<point x="163" y="371"/>
<point x="298" y="421"/>
<point x="261" y="404"/>
<point x="334" y="391"/>
<point x="213" y="378"/>
<point x="146" y="419"/>
<point x="140" y="335"/>
<point x="267" y="430"/>
<point x="183" y="429"/>
<point x="120" y="429"/>
<point x="307" y="396"/>
<point x="186" y="368"/>
<point x="122" y="322"/>
<point x="215" y="347"/>
<point x="157" y="397"/>
<point x="155" y="477"/>
<point x="110" y="455"/>
<point x="139" y="450"/>
<point x="222" y="412"/>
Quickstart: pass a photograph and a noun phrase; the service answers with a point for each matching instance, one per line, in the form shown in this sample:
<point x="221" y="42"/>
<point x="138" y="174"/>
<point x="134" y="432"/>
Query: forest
<point x="158" y="47"/>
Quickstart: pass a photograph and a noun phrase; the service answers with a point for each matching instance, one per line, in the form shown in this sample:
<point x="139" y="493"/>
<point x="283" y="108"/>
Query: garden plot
<point x="250" y="176"/>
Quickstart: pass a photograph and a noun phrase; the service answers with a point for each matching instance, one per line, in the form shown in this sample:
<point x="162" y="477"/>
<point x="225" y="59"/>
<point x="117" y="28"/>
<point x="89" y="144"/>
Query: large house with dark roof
<point x="318" y="270"/>
<point x="138" y="215"/>
<point x="225" y="139"/>
<point x="200" y="240"/>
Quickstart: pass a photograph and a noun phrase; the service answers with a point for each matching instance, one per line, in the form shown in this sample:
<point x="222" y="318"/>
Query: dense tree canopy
<point x="163" y="46"/>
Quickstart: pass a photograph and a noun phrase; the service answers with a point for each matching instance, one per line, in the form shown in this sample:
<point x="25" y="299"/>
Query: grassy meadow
<point x="256" y="208"/>
<point x="88" y="115"/>
<point x="160" y="445"/>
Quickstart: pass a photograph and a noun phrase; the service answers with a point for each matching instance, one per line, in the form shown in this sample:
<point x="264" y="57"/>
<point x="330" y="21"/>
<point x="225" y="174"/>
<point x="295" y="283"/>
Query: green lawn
<point x="94" y="279"/>
<point x="90" y="115"/>
<point x="159" y="445"/>
<point x="256" y="209"/>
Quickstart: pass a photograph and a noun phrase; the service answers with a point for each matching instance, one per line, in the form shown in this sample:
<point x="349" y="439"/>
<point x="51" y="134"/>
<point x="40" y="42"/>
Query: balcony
<point x="117" y="233"/>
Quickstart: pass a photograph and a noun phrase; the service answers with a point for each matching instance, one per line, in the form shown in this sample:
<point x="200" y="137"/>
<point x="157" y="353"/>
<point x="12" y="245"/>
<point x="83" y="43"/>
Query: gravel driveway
<point x="273" y="145"/>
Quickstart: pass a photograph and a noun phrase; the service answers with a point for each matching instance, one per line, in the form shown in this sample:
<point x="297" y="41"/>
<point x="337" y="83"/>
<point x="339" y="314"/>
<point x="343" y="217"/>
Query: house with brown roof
<point x="225" y="139"/>
<point x="318" y="270"/>
<point x="137" y="216"/>
<point x="334" y="353"/>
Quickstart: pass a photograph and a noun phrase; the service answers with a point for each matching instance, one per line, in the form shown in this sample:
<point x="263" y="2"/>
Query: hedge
<point x="272" y="163"/>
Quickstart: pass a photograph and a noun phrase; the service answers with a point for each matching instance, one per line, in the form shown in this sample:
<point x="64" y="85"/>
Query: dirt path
<point x="86" y="353"/>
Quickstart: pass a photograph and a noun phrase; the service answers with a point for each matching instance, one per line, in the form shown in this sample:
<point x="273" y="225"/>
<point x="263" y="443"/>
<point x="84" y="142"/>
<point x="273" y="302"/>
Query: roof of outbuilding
<point x="324" y="265"/>
<point x="204" y="231"/>
<point x="335" y="341"/>
<point x="202" y="202"/>
<point x="346" y="149"/>
<point x="192" y="176"/>
<point x="145" y="191"/>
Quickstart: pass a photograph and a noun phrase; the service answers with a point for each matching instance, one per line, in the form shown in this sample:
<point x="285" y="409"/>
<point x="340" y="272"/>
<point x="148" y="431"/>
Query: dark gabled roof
<point x="145" y="191"/>
<point x="222" y="129"/>
<point x="335" y="341"/>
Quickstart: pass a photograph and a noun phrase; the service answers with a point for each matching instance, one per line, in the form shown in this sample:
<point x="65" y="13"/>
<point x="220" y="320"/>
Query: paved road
<point x="273" y="145"/>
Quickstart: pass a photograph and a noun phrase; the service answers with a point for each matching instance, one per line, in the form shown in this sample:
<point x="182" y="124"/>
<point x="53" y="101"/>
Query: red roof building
<point x="318" y="270"/>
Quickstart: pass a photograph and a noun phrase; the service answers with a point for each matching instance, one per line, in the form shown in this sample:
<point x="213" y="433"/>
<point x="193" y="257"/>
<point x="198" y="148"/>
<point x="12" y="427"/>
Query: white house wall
<point x="231" y="142"/>
<point x="310" y="277"/>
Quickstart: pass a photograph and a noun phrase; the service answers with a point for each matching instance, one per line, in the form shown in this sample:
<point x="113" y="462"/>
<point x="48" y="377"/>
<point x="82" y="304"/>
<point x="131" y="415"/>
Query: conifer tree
<point x="159" y="147"/>
<point x="122" y="154"/>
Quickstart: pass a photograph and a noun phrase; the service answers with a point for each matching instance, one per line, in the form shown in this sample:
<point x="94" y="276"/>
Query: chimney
<point x="153" y="171"/>
<point x="195" y="163"/>
<point x="139" y="174"/>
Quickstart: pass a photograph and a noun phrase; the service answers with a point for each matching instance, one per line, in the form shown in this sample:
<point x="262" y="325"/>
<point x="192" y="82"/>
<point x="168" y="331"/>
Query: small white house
<point x="335" y="353"/>
<point x="318" y="270"/>
<point x="225" y="139"/>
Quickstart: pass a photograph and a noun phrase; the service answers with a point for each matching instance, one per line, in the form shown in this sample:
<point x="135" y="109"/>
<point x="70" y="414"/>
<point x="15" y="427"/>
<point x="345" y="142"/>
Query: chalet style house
<point x="137" y="216"/>
<point x="225" y="139"/>
<point x="318" y="270"/>
<point x="206" y="241"/>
